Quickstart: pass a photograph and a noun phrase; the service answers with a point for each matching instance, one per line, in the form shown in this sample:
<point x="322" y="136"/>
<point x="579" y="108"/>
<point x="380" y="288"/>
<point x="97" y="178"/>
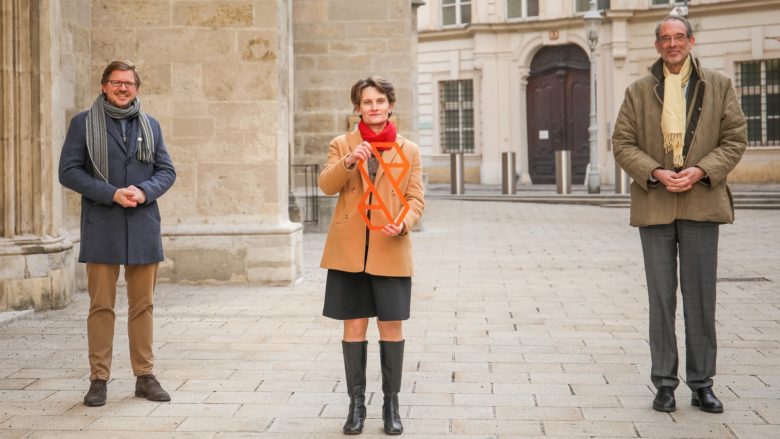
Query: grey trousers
<point x="696" y="242"/>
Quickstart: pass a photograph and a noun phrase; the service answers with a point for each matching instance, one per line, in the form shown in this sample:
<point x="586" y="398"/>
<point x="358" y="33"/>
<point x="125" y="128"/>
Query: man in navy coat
<point x="115" y="157"/>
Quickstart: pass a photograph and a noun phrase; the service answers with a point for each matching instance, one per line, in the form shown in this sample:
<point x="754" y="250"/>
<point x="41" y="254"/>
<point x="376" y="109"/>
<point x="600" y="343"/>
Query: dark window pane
<point x="750" y="74"/>
<point x="660" y="2"/>
<point x="584" y="5"/>
<point x="468" y="118"/>
<point x="533" y="8"/>
<point x="773" y="131"/>
<point x="751" y="105"/>
<point x="447" y="15"/>
<point x="754" y="131"/>
<point x="773" y="119"/>
<point x="451" y="140"/>
<point x="468" y="91"/>
<point x="465" y="14"/>
<point x="773" y="105"/>
<point x="514" y="8"/>
<point x="448" y="2"/>
<point x="773" y="72"/>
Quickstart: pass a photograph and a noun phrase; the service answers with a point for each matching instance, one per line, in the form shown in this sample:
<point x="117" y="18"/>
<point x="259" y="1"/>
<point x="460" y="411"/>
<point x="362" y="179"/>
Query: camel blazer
<point x="345" y="246"/>
<point x="715" y="139"/>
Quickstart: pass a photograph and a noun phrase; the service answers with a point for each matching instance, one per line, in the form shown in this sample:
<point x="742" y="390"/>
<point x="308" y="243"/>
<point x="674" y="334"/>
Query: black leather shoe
<point x="147" y="386"/>
<point x="706" y="400"/>
<point x="96" y="396"/>
<point x="664" y="400"/>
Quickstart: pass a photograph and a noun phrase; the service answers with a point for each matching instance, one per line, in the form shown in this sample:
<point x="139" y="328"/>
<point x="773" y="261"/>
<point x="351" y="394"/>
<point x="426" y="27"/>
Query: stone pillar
<point x="36" y="260"/>
<point x="216" y="75"/>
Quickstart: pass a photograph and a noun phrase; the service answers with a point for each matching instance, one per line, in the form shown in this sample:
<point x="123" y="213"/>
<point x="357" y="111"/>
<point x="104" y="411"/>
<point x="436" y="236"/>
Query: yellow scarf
<point x="673" y="115"/>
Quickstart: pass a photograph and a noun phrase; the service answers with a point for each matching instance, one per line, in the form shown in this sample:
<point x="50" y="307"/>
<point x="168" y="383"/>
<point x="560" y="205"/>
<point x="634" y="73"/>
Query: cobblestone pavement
<point x="528" y="321"/>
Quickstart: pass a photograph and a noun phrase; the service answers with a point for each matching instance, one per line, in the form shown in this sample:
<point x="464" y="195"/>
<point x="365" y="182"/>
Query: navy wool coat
<point x="110" y="233"/>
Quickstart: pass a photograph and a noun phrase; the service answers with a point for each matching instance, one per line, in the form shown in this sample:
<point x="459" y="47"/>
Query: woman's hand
<point x="391" y="229"/>
<point x="361" y="152"/>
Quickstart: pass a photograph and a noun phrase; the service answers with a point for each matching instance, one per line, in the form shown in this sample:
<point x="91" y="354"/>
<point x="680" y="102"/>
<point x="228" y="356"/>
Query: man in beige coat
<point x="680" y="131"/>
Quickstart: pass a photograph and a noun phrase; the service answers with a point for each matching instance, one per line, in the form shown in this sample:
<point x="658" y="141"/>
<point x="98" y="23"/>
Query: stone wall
<point x="216" y="76"/>
<point x="336" y="43"/>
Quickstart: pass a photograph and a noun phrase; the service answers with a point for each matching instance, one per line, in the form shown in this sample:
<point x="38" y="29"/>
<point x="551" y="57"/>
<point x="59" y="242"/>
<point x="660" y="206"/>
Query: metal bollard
<point x="563" y="171"/>
<point x="456" y="173"/>
<point x="622" y="180"/>
<point x="508" y="180"/>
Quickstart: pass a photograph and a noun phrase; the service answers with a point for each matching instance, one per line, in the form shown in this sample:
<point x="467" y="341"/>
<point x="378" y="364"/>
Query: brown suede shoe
<point x="147" y="386"/>
<point x="96" y="396"/>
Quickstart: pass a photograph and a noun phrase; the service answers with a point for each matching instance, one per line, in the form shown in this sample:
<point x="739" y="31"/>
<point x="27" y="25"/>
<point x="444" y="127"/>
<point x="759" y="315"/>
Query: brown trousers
<point x="101" y="283"/>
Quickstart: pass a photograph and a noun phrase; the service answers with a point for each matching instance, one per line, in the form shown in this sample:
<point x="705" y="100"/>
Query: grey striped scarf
<point x="97" y="136"/>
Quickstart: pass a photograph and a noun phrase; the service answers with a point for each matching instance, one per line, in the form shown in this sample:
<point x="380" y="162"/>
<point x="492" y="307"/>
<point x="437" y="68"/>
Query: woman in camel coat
<point x="370" y="268"/>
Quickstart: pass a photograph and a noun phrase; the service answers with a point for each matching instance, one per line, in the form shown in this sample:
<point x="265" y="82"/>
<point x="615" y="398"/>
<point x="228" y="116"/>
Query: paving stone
<point x="517" y="428"/>
<point x="58" y="422"/>
<point x="135" y="423"/>
<point x="688" y="430"/>
<point x="589" y="429"/>
<point x="222" y="424"/>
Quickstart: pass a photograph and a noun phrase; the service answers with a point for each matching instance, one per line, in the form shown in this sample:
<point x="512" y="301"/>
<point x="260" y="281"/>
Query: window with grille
<point x="758" y="86"/>
<point x="584" y="5"/>
<point x="522" y="8"/>
<point x="456" y="116"/>
<point x="455" y="12"/>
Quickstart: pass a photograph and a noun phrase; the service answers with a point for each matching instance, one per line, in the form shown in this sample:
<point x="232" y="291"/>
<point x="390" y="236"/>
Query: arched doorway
<point x="558" y="104"/>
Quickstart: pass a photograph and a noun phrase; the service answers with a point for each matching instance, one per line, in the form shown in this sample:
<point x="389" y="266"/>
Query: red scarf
<point x="388" y="134"/>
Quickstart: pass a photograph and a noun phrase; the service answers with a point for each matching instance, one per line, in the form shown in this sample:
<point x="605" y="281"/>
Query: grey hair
<point x="683" y="20"/>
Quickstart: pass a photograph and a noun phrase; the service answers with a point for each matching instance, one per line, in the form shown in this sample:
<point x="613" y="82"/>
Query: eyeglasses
<point x="667" y="39"/>
<point x="118" y="84"/>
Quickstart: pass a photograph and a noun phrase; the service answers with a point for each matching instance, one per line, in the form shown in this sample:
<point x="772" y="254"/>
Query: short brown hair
<point x="381" y="84"/>
<point x="120" y="65"/>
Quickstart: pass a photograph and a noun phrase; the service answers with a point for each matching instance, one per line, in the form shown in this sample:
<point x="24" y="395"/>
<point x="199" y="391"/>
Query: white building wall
<point x="497" y="53"/>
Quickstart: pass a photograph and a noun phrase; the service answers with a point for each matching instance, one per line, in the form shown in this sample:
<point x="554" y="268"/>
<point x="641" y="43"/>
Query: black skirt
<point x="362" y="295"/>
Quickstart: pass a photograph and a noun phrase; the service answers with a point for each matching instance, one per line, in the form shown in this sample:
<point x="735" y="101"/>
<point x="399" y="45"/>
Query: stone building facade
<point x="227" y="80"/>
<point x="524" y="66"/>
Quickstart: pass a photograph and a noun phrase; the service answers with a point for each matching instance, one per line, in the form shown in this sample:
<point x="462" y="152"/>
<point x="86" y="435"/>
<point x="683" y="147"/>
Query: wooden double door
<point x="558" y="110"/>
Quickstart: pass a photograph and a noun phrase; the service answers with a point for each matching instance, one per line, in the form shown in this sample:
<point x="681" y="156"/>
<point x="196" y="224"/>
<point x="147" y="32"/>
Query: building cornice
<point x="694" y="11"/>
<point x="507" y="27"/>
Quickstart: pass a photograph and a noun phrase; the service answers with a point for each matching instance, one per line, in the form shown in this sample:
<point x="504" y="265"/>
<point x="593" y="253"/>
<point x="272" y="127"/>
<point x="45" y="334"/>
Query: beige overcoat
<point x="716" y="145"/>
<point x="345" y="246"/>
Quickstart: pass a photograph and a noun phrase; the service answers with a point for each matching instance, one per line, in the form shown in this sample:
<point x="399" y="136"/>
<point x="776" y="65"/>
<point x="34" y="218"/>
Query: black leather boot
<point x="355" y="369"/>
<point x="391" y="354"/>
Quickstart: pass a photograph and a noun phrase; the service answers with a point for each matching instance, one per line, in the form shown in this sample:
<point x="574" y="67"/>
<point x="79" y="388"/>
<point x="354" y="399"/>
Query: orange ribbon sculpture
<point x="379" y="203"/>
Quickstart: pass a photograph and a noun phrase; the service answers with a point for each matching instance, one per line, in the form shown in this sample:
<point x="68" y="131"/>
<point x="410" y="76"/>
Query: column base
<point x="36" y="273"/>
<point x="232" y="254"/>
